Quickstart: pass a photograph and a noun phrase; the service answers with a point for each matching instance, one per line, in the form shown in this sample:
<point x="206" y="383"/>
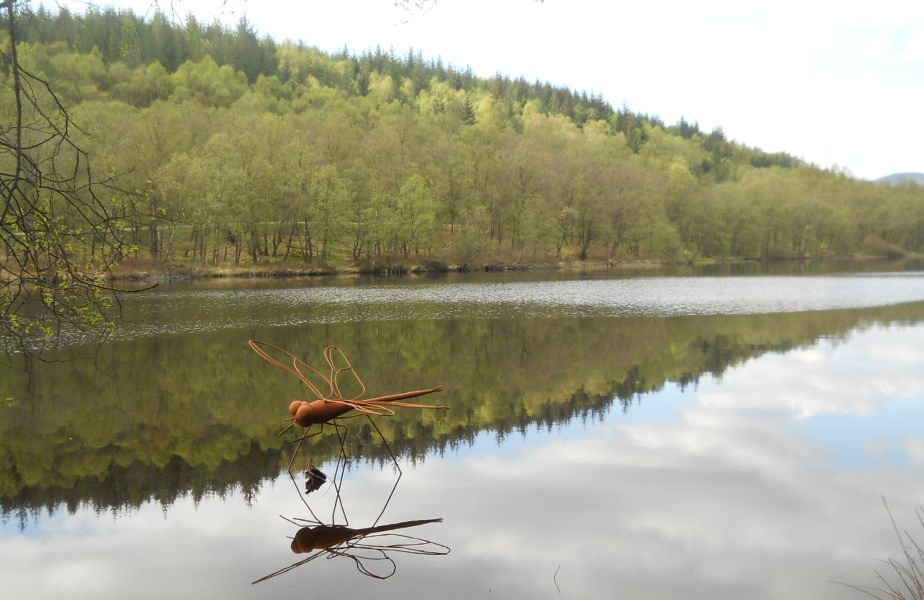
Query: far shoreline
<point x="174" y="272"/>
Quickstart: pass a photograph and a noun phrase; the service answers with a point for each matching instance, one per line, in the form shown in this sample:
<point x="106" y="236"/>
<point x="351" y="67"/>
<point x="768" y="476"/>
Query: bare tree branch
<point x="58" y="237"/>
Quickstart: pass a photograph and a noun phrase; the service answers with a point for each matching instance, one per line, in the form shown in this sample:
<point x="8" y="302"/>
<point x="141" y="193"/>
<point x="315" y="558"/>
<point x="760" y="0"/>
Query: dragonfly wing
<point x="290" y="567"/>
<point x="405" y="544"/>
<point x="346" y="383"/>
<point x="282" y="359"/>
<point x="368" y="408"/>
<point x="371" y="561"/>
<point x="313" y="378"/>
<point x="413" y="405"/>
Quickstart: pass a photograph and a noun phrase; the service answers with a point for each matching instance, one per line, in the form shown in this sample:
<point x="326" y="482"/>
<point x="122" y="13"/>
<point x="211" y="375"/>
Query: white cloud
<point x="914" y="48"/>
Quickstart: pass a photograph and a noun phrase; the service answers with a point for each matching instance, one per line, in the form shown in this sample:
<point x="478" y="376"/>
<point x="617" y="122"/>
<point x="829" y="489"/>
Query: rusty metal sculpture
<point x="330" y="402"/>
<point x="367" y="546"/>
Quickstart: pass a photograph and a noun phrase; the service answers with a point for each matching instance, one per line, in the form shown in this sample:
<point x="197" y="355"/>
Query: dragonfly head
<point x="304" y="540"/>
<point x="304" y="414"/>
<point x="293" y="406"/>
<point x="299" y="544"/>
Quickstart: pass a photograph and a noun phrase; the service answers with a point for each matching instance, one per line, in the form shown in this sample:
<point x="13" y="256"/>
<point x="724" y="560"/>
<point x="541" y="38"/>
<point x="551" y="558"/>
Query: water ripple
<point x="177" y="311"/>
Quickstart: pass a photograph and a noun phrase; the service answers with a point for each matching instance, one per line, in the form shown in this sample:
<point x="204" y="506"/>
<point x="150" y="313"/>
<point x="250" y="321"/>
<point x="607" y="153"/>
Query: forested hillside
<point x="236" y="150"/>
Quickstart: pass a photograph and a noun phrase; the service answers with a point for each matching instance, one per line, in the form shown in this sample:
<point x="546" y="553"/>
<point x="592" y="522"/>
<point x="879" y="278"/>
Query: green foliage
<point x="242" y="151"/>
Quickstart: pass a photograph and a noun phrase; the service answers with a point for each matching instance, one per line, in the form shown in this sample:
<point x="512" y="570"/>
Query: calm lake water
<point x="710" y="436"/>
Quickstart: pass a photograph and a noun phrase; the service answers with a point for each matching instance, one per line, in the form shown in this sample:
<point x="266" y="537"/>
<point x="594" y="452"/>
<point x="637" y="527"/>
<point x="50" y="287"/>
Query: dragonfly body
<point x="325" y="410"/>
<point x="309" y="539"/>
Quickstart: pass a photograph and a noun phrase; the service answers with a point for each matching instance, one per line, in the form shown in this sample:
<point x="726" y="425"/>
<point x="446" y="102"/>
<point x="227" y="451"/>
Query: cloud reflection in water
<point x="746" y="486"/>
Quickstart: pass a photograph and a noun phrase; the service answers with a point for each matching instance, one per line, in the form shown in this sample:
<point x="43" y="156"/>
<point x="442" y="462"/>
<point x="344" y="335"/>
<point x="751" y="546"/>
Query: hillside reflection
<point x="164" y="417"/>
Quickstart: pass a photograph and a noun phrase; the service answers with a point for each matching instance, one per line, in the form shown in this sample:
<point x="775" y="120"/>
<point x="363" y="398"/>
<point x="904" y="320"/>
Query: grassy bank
<point x="138" y="269"/>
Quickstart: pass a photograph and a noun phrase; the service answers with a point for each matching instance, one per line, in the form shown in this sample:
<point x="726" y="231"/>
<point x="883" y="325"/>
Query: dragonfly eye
<point x="303" y="415"/>
<point x="302" y="541"/>
<point x="293" y="407"/>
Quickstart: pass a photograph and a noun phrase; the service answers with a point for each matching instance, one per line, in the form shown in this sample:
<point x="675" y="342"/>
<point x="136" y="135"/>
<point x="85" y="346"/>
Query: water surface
<point x="659" y="437"/>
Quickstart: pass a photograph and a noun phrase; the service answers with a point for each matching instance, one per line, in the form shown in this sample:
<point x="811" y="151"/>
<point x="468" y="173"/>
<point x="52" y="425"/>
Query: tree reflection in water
<point x="153" y="420"/>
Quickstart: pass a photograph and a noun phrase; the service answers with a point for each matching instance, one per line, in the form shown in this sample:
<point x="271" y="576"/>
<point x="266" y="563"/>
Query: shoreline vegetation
<point x="148" y="271"/>
<point x="282" y="271"/>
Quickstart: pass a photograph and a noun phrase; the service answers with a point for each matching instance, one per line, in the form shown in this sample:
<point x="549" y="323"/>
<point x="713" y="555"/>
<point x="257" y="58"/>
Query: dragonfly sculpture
<point x="330" y="391"/>
<point x="370" y="548"/>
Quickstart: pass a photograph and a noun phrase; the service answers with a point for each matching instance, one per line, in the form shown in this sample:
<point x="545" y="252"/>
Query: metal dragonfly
<point x="330" y="402"/>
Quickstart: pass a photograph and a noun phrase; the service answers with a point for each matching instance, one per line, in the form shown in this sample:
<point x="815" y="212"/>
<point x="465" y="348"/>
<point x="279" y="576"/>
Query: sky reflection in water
<point x="763" y="484"/>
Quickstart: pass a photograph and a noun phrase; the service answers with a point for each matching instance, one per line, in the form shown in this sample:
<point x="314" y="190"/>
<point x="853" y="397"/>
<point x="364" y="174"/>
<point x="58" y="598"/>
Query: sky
<point x="838" y="84"/>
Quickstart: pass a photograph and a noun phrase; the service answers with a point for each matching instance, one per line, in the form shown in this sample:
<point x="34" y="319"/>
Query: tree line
<point x="235" y="149"/>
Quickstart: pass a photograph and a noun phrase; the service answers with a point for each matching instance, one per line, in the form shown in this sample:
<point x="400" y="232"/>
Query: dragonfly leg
<point x="299" y="445"/>
<point x="341" y="467"/>
<point x="394" y="460"/>
<point x="288" y="427"/>
<point x="387" y="447"/>
<point x="302" y="498"/>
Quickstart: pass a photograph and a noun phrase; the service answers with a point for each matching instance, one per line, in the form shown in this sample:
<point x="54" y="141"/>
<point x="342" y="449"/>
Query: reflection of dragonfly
<point x="368" y="547"/>
<point x="331" y="400"/>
